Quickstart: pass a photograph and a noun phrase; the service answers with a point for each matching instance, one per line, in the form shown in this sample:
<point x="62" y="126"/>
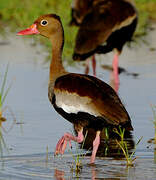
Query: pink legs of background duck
<point x="93" y="65"/>
<point x="115" y="75"/>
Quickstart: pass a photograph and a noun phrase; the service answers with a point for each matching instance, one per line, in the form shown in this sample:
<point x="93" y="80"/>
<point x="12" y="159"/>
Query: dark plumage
<point x="111" y="21"/>
<point x="99" y="98"/>
<point x="85" y="101"/>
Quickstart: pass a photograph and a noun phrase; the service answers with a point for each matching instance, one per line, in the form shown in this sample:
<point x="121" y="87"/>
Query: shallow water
<point x="38" y="126"/>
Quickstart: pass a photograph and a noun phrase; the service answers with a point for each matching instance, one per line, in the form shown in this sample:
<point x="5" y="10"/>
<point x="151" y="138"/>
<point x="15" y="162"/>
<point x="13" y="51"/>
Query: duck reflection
<point x="60" y="175"/>
<point x="113" y="83"/>
<point x="121" y="70"/>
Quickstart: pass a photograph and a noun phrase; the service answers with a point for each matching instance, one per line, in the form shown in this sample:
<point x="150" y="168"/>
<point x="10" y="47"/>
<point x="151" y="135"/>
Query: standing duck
<point x="84" y="100"/>
<point x="106" y="25"/>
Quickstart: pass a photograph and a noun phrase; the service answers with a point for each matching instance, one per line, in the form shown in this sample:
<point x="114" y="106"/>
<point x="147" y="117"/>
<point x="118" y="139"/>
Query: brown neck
<point x="56" y="66"/>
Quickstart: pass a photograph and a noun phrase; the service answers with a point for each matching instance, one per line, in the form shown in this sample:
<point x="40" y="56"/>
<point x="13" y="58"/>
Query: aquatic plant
<point x="3" y="92"/>
<point x="77" y="164"/>
<point x="124" y="147"/>
<point x="154" y="121"/>
<point x="106" y="140"/>
<point x="2" y="144"/>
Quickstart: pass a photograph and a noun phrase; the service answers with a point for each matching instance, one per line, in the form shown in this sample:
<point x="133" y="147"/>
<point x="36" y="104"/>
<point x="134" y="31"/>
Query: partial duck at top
<point x="104" y="25"/>
<point x="83" y="100"/>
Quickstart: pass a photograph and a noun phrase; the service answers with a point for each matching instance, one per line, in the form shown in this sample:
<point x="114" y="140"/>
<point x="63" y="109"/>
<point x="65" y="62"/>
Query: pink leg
<point x="87" y="66"/>
<point x="115" y="71"/>
<point x="94" y="65"/>
<point x="96" y="143"/>
<point x="62" y="143"/>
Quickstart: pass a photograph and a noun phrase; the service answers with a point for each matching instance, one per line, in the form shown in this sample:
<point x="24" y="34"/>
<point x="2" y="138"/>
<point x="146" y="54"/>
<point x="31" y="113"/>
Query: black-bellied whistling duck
<point x="107" y="25"/>
<point x="83" y="100"/>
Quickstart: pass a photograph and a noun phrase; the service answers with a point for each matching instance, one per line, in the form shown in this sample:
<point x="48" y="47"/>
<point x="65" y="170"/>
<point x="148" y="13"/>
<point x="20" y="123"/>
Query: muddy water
<point x="38" y="126"/>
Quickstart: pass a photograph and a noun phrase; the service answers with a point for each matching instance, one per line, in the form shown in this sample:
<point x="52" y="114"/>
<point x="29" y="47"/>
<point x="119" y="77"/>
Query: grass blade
<point x="4" y="80"/>
<point x="0" y="104"/>
<point x="6" y="93"/>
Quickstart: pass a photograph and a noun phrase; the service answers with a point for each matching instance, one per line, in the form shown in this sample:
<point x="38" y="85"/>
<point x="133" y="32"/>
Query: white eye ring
<point x="44" y="22"/>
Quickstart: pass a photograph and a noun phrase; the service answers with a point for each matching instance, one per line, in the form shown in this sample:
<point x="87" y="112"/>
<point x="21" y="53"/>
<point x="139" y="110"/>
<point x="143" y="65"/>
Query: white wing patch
<point x="73" y="103"/>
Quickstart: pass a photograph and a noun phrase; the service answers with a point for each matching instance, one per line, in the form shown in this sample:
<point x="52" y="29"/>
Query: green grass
<point x="3" y="91"/>
<point x="146" y="10"/>
<point x="3" y="94"/>
<point x="21" y="14"/>
<point x="129" y="156"/>
<point x="106" y="130"/>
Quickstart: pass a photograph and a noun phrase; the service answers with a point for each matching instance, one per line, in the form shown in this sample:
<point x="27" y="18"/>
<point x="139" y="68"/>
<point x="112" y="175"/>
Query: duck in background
<point x="83" y="100"/>
<point x="104" y="25"/>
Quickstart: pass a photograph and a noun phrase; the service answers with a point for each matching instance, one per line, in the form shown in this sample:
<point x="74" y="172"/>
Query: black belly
<point x="118" y="38"/>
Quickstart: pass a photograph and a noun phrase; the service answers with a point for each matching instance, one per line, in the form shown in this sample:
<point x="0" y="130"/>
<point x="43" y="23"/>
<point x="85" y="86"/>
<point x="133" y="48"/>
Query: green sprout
<point x="77" y="164"/>
<point x="107" y="140"/>
<point x="124" y="147"/>
<point x="3" y="92"/>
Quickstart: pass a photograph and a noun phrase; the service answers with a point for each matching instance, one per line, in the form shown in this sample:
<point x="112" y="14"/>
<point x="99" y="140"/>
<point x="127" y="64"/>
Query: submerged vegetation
<point x="19" y="14"/>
